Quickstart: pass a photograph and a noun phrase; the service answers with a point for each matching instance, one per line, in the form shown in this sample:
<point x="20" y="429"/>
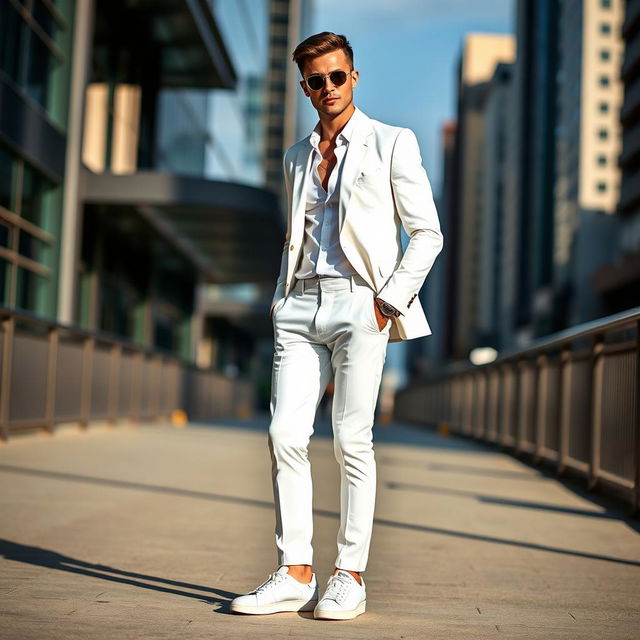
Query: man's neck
<point x="331" y="127"/>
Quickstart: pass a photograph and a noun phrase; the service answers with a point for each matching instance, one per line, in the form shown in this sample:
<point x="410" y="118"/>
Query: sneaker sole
<point x="275" y="607"/>
<point x="340" y="615"/>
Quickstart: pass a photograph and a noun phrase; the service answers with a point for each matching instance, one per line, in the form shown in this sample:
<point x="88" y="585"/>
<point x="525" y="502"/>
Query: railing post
<point x="114" y="371"/>
<point x="8" y="326"/>
<point x="636" y="492"/>
<point x="136" y="387"/>
<point x="505" y="399"/>
<point x="482" y="404"/>
<point x="596" y="408"/>
<point x="468" y="404"/>
<point x="87" y="380"/>
<point x="566" y="381"/>
<point x="520" y="386"/>
<point x="52" y="361"/>
<point x="541" y="403"/>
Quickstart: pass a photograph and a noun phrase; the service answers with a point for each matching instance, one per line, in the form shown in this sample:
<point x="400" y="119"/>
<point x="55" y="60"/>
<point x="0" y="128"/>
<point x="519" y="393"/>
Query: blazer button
<point x="291" y="248"/>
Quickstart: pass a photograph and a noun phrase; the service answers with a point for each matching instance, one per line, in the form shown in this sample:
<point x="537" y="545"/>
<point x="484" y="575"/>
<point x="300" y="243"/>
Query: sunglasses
<point x="315" y="81"/>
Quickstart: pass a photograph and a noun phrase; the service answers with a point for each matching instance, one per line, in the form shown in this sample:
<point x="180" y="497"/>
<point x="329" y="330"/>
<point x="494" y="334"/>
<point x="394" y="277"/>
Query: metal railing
<point x="571" y="399"/>
<point x="53" y="373"/>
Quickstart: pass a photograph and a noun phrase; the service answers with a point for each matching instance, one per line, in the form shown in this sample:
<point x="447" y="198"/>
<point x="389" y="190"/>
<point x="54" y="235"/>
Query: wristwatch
<point x="387" y="309"/>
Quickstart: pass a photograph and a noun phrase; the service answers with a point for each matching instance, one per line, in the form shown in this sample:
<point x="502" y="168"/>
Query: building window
<point x="29" y="214"/>
<point x="12" y="30"/>
<point x="7" y="179"/>
<point x="33" y="46"/>
<point x="602" y="187"/>
<point x="604" y="81"/>
<point x="605" y="4"/>
<point x="602" y="160"/>
<point x="605" y="54"/>
<point x="603" y="134"/>
<point x="605" y="28"/>
<point x="604" y="107"/>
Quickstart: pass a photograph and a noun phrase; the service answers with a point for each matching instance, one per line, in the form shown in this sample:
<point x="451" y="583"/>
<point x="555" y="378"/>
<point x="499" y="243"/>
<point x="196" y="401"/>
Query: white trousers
<point x="325" y="325"/>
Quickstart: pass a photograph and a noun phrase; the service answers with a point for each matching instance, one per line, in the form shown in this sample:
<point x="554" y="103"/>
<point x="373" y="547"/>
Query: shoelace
<point x="337" y="588"/>
<point x="273" y="579"/>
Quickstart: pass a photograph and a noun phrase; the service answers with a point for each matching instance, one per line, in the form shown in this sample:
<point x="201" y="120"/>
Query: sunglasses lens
<point x="338" y="78"/>
<point x="316" y="81"/>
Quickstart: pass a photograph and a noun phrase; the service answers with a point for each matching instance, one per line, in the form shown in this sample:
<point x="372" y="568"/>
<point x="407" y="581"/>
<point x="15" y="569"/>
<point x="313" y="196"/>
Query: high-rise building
<point x="481" y="53"/>
<point x="588" y="141"/>
<point x="618" y="281"/>
<point x="289" y="22"/>
<point x="527" y="297"/>
<point x="425" y="356"/>
<point x="498" y="101"/>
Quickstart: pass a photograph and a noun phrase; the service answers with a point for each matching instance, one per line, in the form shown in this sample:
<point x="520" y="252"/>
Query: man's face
<point x="330" y="100"/>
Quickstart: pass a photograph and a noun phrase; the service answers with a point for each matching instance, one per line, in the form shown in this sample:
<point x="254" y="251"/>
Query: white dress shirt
<point x="322" y="254"/>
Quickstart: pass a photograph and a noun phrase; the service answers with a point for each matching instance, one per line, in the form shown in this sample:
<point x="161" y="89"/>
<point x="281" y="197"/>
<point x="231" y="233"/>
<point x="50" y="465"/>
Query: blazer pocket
<point x="369" y="175"/>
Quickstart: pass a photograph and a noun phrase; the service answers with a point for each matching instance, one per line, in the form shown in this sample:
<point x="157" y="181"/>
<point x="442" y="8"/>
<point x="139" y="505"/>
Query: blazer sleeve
<point x="417" y="211"/>
<point x="280" y="283"/>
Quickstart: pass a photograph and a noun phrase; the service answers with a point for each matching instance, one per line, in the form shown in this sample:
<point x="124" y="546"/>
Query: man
<point x="345" y="290"/>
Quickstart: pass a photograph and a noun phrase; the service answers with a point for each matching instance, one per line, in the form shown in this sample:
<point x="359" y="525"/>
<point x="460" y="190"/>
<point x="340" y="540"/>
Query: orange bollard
<point x="179" y="418"/>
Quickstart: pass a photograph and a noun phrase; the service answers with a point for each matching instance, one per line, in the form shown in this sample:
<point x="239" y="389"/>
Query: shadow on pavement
<point x="394" y="433"/>
<point x="51" y="559"/>
<point x="264" y="504"/>
<point x="510" y="502"/>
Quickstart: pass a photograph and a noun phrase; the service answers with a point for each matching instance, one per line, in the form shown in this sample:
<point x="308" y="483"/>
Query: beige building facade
<point x="481" y="53"/>
<point x="589" y="116"/>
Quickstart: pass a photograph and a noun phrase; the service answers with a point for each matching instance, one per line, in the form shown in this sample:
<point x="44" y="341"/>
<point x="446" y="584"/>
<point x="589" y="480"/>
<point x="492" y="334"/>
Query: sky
<point x="407" y="53"/>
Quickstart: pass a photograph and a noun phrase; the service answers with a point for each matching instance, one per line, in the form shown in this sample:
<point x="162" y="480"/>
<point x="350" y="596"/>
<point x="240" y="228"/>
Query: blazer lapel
<point x="356" y="152"/>
<point x="300" y="185"/>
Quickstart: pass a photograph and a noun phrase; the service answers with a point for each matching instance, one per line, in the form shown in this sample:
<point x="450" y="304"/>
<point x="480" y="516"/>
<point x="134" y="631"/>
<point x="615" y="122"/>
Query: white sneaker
<point x="280" y="592"/>
<point x="344" y="598"/>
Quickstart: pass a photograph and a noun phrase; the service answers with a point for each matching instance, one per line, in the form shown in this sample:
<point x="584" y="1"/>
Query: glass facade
<point x="35" y="41"/>
<point x="154" y="103"/>
<point x="218" y="133"/>
<point x="235" y="118"/>
<point x="35" y="47"/>
<point x="138" y="287"/>
<point x="30" y="213"/>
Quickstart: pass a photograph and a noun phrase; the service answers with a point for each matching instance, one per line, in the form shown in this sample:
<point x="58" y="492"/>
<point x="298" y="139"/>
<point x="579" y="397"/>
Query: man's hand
<point x="380" y="317"/>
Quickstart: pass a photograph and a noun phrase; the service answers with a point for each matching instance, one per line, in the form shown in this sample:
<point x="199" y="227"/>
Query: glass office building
<point x="35" y="54"/>
<point x="130" y="162"/>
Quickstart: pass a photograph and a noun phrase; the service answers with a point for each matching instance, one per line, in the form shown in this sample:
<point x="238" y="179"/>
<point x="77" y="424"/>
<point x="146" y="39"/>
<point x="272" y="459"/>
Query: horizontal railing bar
<point x="27" y="317"/>
<point x="555" y="340"/>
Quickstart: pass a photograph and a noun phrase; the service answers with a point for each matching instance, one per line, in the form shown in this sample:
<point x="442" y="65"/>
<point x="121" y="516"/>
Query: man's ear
<point x="303" y="84"/>
<point x="356" y="76"/>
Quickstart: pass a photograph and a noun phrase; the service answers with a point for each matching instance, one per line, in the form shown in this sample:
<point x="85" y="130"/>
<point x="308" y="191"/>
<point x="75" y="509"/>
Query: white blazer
<point x="383" y="186"/>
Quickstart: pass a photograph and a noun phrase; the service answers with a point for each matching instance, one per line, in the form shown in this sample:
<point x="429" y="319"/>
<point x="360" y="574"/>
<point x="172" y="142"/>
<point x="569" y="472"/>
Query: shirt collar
<point x="344" y="136"/>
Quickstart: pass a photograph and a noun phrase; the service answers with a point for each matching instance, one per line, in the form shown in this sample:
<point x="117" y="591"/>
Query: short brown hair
<point x="318" y="45"/>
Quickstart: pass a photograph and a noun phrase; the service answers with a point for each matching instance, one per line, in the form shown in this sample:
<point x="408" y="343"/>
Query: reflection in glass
<point x="12" y="28"/>
<point x="7" y="173"/>
<point x="44" y="18"/>
<point x="40" y="59"/>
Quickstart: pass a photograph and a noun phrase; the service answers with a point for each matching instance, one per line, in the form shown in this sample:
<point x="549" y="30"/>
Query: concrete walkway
<point x="149" y="531"/>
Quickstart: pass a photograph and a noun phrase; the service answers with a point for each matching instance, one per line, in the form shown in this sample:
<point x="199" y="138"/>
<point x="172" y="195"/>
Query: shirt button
<point x="291" y="248"/>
